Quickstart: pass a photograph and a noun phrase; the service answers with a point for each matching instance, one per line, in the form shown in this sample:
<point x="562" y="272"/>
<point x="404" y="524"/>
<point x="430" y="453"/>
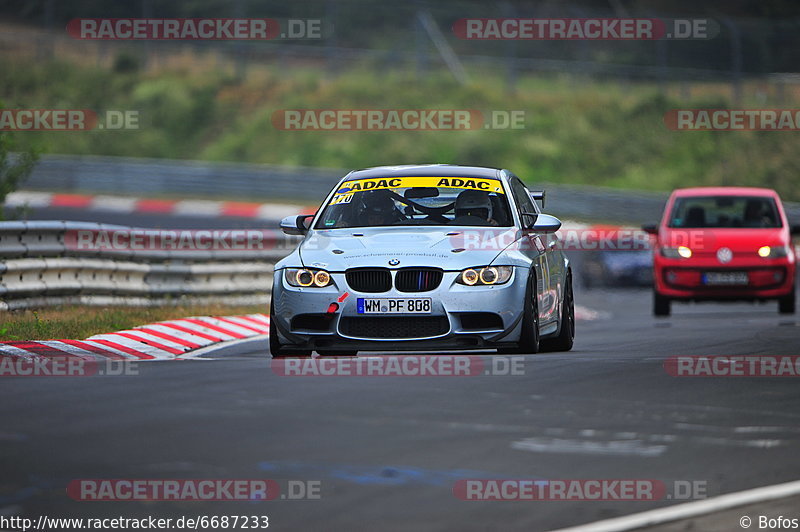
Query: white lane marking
<point x="751" y="430"/>
<point x="135" y="345"/>
<point x="221" y="345"/>
<point x="689" y="509"/>
<point x="561" y="445"/>
<point x="33" y="199"/>
<point x="759" y="444"/>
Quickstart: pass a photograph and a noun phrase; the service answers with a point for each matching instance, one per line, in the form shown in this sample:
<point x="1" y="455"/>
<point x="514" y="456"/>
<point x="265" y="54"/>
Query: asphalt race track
<point x="387" y="450"/>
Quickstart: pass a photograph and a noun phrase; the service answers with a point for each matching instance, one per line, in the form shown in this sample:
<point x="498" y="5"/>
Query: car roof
<point x="724" y="191"/>
<point x="434" y="170"/>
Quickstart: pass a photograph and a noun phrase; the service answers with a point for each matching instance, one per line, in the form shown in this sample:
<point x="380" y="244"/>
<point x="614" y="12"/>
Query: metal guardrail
<point x="40" y="268"/>
<point x="143" y="177"/>
<point x="154" y="177"/>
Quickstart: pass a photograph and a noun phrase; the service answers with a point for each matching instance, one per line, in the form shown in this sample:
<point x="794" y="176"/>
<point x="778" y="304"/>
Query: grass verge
<point x="79" y="322"/>
<point x="593" y="132"/>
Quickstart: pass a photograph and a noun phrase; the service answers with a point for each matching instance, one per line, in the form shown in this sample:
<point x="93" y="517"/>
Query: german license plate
<point x="368" y="305"/>
<point x="725" y="278"/>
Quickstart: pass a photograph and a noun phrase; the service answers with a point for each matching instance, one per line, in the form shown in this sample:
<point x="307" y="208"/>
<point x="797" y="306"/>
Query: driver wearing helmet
<point x="378" y="208"/>
<point x="474" y="207"/>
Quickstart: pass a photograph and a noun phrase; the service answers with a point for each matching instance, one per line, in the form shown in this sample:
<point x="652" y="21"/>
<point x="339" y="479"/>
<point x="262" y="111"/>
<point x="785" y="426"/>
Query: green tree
<point x="14" y="168"/>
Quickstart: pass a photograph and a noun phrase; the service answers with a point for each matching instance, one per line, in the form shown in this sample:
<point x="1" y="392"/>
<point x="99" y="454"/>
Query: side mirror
<point x="650" y="229"/>
<point x="545" y="223"/>
<point x="296" y="225"/>
<point x="794" y="229"/>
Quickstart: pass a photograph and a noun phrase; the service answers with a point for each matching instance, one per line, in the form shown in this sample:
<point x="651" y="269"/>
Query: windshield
<point x="417" y="200"/>
<point x="725" y="211"/>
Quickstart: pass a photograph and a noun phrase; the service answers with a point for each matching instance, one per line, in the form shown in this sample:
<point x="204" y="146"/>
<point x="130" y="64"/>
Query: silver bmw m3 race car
<point x="432" y="257"/>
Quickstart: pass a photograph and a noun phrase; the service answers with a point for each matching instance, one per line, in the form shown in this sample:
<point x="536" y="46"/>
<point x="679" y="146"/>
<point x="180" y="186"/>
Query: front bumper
<point x="683" y="279"/>
<point x="461" y="317"/>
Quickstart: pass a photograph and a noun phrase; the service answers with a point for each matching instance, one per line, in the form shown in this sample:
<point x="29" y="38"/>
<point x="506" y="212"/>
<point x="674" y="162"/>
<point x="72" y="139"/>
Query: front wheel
<point x="566" y="336"/>
<point x="786" y="304"/>
<point x="529" y="335"/>
<point x="661" y="305"/>
<point x="275" y="348"/>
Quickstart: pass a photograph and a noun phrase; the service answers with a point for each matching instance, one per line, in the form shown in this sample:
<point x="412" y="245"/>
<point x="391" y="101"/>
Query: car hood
<point x="447" y="248"/>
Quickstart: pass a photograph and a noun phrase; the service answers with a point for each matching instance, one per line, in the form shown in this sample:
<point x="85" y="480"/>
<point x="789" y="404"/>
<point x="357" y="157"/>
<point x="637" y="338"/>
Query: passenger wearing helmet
<point x="378" y="208"/>
<point x="473" y="207"/>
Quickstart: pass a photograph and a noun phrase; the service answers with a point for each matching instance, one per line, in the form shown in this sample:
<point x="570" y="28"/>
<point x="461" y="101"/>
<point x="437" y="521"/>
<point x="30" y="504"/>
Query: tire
<point x="566" y="336"/>
<point x="661" y="305"/>
<point x="786" y="304"/>
<point x="275" y="348"/>
<point x="529" y="340"/>
<point x="338" y="353"/>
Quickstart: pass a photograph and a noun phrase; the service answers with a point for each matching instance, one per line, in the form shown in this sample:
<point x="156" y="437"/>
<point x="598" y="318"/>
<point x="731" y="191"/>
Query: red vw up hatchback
<point x="723" y="243"/>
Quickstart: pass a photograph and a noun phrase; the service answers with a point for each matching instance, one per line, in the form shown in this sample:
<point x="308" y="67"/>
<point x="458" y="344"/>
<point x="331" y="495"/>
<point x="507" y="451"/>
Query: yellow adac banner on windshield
<point x="361" y="185"/>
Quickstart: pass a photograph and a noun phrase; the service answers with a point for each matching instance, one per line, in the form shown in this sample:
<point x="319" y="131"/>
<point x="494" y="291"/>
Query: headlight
<point x="306" y="277"/>
<point x="767" y="252"/>
<point x="485" y="275"/>
<point x="680" y="252"/>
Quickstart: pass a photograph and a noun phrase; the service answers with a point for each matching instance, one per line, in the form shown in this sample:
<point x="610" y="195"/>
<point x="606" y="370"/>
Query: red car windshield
<point x="725" y="212"/>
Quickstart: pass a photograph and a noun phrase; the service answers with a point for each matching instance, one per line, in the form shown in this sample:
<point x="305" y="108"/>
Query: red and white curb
<point x="124" y="204"/>
<point x="165" y="340"/>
